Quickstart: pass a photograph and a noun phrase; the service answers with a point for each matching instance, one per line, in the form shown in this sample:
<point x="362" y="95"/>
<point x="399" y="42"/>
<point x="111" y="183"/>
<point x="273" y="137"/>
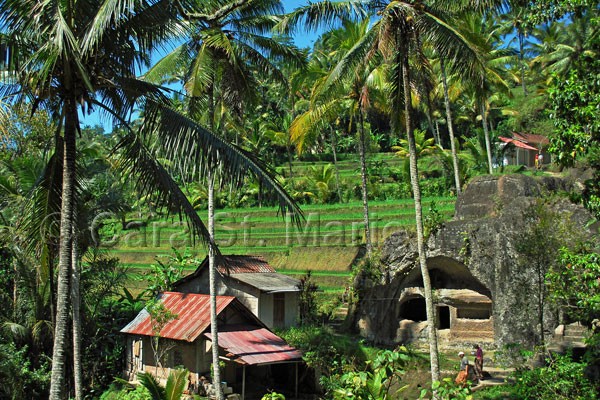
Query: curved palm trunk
<point x="414" y="178"/>
<point x="57" y="379"/>
<point x="450" y="127"/>
<point x="363" y="179"/>
<point x="75" y="299"/>
<point x="486" y="132"/>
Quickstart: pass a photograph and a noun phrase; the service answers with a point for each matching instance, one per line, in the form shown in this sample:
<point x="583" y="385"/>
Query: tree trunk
<point x="289" y="146"/>
<point x="522" y="61"/>
<point x="363" y="179"/>
<point x="335" y="164"/>
<point x="212" y="271"/>
<point x="434" y="132"/>
<point x="414" y="178"/>
<point x="486" y="132"/>
<point x="75" y="299"/>
<point x="450" y="128"/>
<point x="57" y="379"/>
<point x="212" y="268"/>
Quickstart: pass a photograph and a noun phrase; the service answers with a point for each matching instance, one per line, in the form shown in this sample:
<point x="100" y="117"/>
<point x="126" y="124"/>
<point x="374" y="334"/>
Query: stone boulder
<point x="475" y="259"/>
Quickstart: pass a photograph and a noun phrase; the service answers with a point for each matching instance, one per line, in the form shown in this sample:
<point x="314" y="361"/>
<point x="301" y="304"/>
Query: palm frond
<point x="305" y="127"/>
<point x="148" y="381"/>
<point x="197" y="150"/>
<point x="315" y="16"/>
<point x="170" y="68"/>
<point x="152" y="179"/>
<point x="176" y="383"/>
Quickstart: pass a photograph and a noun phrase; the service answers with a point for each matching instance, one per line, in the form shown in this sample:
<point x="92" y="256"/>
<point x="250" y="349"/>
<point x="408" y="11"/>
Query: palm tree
<point x="561" y="45"/>
<point x="514" y="21"/>
<point x="78" y="56"/>
<point x="334" y="92"/>
<point x="399" y="36"/>
<point x="423" y="146"/>
<point x="220" y="61"/>
<point x="483" y="35"/>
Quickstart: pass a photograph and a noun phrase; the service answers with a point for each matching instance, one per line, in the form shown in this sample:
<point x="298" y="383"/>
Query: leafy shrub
<point x="19" y="379"/>
<point x="561" y="379"/>
<point x="273" y="396"/>
<point x="116" y="392"/>
<point x="380" y="381"/>
<point x="322" y="350"/>
<point x="447" y="390"/>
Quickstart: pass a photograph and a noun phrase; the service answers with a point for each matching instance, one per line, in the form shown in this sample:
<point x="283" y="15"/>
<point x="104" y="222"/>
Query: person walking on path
<point x="461" y="378"/>
<point x="478" y="362"/>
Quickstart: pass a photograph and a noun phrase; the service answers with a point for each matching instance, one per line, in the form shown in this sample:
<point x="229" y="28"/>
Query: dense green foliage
<point x="561" y="379"/>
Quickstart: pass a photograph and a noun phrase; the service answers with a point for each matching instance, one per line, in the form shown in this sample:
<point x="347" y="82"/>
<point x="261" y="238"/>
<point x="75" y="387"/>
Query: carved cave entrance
<point x="414" y="309"/>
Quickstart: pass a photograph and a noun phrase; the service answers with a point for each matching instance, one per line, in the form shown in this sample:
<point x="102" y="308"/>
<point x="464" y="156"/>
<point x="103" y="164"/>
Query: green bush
<point x="20" y="380"/>
<point x="561" y="379"/>
<point x="117" y="392"/>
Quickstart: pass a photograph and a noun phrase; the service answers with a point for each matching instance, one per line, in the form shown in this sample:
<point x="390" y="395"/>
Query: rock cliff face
<point x="484" y="288"/>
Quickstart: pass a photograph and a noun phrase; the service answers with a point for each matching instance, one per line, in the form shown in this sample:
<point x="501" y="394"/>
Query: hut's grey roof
<point x="269" y="282"/>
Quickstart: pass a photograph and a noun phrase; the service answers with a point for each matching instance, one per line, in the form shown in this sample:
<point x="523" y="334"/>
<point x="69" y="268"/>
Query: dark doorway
<point x="443" y="314"/>
<point x="414" y="309"/>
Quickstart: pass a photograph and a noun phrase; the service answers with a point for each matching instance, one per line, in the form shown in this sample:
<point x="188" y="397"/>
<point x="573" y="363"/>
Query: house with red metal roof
<point x="248" y="348"/>
<point x="521" y="149"/>
<point x="271" y="296"/>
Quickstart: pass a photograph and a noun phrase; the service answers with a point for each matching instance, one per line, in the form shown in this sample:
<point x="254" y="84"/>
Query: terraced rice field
<point x="327" y="243"/>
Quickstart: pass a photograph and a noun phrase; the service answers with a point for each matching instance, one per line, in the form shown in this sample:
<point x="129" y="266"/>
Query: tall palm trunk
<point x="435" y="132"/>
<point x="450" y="127"/>
<point x="212" y="268"/>
<point x="212" y="276"/>
<point x="335" y="163"/>
<point x="363" y="179"/>
<point x="76" y="300"/>
<point x="521" y="37"/>
<point x="486" y="133"/>
<point x="288" y="147"/>
<point x="57" y="379"/>
<point x="414" y="178"/>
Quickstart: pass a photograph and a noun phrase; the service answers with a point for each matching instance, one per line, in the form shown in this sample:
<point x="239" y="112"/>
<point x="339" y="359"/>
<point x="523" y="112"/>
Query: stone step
<point x="576" y="331"/>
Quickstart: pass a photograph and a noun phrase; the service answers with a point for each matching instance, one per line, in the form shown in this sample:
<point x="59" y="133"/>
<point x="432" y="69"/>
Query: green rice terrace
<point x="327" y="242"/>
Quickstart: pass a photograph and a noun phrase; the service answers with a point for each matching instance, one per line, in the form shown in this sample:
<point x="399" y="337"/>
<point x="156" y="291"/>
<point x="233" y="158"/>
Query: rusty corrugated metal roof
<point x="193" y="316"/>
<point x="531" y="138"/>
<point x="245" y="264"/>
<point x="253" y="345"/>
<point x="517" y="143"/>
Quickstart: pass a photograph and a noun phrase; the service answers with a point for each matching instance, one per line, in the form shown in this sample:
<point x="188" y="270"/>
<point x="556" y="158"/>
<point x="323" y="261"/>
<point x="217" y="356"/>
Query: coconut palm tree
<point x="562" y="44"/>
<point x="483" y="35"/>
<point x="219" y="64"/>
<point x="73" y="57"/>
<point x="515" y="22"/>
<point x="334" y="92"/>
<point x="399" y="35"/>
